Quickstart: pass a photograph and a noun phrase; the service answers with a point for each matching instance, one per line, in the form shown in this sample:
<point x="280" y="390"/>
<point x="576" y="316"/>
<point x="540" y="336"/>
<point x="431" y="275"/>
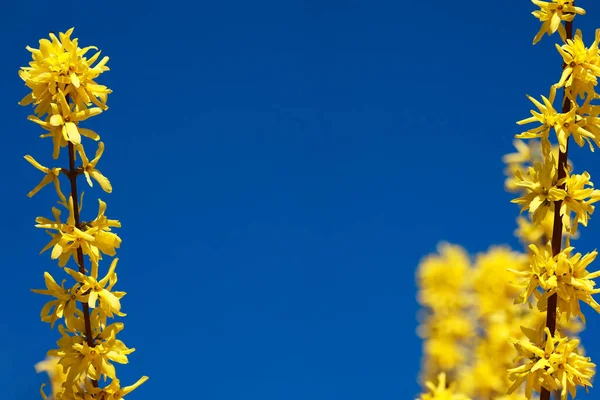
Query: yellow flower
<point x="546" y="117"/>
<point x="444" y="352"/>
<point x="61" y="64"/>
<point x="56" y="374"/>
<point x="98" y="290"/>
<point x="443" y="277"/>
<point x="483" y="377"/>
<point x="552" y="13"/>
<point x="573" y="284"/>
<point x="581" y="64"/>
<point x="65" y="304"/>
<point x="441" y="391"/>
<point x="65" y="118"/>
<point x="541" y="272"/>
<point x="563" y="274"/>
<point x="564" y="124"/>
<point x="589" y="120"/>
<point x="530" y="233"/>
<point x="63" y="121"/>
<point x="572" y="124"/>
<point x="555" y="365"/>
<point x="491" y="280"/>
<point x="94" y="237"/>
<point x="457" y="326"/>
<point x="528" y="153"/>
<point x="578" y="199"/>
<point x="68" y="237"/>
<point x="524" y="154"/>
<point x="80" y="359"/>
<point x="577" y="196"/>
<point x="114" y="391"/>
<point x="100" y="228"/>
<point x="89" y="168"/>
<point x="51" y="176"/>
<point x="540" y="189"/>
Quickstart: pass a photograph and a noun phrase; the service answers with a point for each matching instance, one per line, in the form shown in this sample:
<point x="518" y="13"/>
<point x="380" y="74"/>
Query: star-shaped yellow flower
<point x="89" y="168"/>
<point x="551" y="14"/>
<point x="51" y="176"/>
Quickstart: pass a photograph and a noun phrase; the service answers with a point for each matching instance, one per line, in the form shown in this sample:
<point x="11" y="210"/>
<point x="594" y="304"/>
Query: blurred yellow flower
<point x="441" y="391"/>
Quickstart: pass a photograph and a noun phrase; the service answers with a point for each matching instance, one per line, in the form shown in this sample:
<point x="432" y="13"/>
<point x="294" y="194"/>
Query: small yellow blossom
<point x="529" y="152"/>
<point x="525" y="153"/>
<point x="65" y="304"/>
<point x="546" y="117"/>
<point x="442" y="277"/>
<point x="481" y="379"/>
<point x="51" y="176"/>
<point x="80" y="359"/>
<point x="441" y="391"/>
<point x="491" y="279"/>
<point x="551" y="14"/>
<point x="55" y="373"/>
<point x="456" y="325"/>
<point x="89" y="168"/>
<point x="98" y="290"/>
<point x="67" y="119"/>
<point x="529" y="232"/>
<point x="582" y="65"/>
<point x="105" y="241"/>
<point x="63" y="121"/>
<point x="564" y="124"/>
<point x="579" y="195"/>
<point x="541" y="191"/>
<point x="94" y="237"/>
<point x="68" y="237"/>
<point x="114" y="391"/>
<point x="444" y="352"/>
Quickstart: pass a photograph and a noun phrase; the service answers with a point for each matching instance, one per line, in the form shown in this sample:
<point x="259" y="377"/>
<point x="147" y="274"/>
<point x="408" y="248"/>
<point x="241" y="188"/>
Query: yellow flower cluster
<point x="506" y="326"/>
<point x="64" y="92"/>
<point x="444" y="284"/>
<point x="555" y="364"/>
<point x="441" y="391"/>
<point x="556" y="280"/>
<point x="468" y="319"/>
<point x="542" y="188"/>
<point x="561" y="274"/>
<point x="528" y="155"/>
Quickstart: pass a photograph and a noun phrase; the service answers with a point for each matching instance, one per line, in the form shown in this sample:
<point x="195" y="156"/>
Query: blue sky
<point x="279" y="168"/>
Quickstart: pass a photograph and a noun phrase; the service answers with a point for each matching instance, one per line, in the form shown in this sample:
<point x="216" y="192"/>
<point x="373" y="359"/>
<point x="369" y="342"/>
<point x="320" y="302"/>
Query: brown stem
<point x="80" y="261"/>
<point x="557" y="395"/>
<point x="557" y="228"/>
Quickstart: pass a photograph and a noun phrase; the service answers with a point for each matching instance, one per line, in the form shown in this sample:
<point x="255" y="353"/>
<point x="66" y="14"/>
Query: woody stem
<point x="557" y="228"/>
<point x="80" y="261"/>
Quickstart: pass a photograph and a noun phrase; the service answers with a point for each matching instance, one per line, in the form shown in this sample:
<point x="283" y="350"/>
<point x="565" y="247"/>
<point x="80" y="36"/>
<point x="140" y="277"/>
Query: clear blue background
<point x="279" y="168"/>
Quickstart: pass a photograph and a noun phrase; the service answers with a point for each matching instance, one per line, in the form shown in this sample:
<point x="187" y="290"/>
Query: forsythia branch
<point x="64" y="91"/>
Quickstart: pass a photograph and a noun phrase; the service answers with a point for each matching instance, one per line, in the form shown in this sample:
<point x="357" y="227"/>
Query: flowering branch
<point x="65" y="93"/>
